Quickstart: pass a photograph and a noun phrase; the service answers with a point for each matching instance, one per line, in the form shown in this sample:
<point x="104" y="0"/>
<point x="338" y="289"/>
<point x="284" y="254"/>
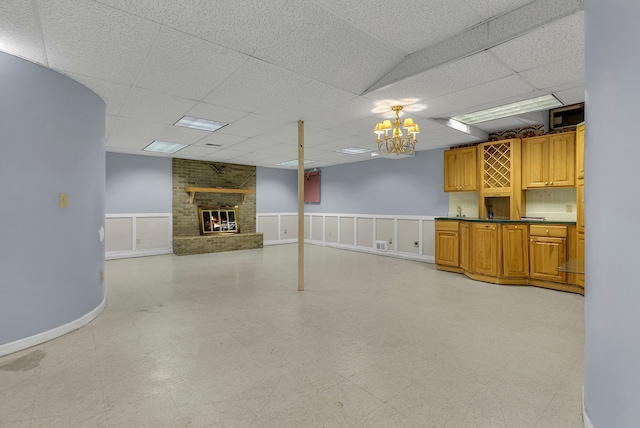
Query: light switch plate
<point x="64" y="201"/>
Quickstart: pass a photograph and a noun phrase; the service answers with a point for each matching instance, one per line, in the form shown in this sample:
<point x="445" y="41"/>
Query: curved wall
<point x="52" y="141"/>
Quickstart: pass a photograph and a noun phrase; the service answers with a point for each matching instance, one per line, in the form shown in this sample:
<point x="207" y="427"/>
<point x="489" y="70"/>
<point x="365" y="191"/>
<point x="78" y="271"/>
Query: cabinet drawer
<point x="447" y="225"/>
<point x="544" y="230"/>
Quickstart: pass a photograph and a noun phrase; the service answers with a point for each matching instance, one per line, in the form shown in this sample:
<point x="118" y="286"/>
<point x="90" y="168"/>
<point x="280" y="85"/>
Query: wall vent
<point x="381" y="245"/>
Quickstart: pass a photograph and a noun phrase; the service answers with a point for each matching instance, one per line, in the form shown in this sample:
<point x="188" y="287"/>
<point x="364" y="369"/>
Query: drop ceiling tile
<point x="127" y="127"/>
<point x="102" y="42"/>
<point x="277" y="149"/>
<point x="235" y="24"/>
<point x="224" y="155"/>
<point x="224" y="140"/>
<point x="490" y="8"/>
<point x="155" y="106"/>
<point x="566" y="70"/>
<point x="558" y="40"/>
<point x="196" y="151"/>
<point x="124" y="142"/>
<point x="251" y="145"/>
<point x="571" y="96"/>
<point x="531" y="15"/>
<point x="430" y="21"/>
<point x="491" y="94"/>
<point x="109" y="122"/>
<point x="19" y="31"/>
<point x="306" y="101"/>
<point x="310" y="40"/>
<point x="252" y="125"/>
<point x="255" y="84"/>
<point x="451" y="77"/>
<point x="215" y="112"/>
<point x="187" y="66"/>
<point x="251" y="158"/>
<point x="113" y="94"/>
<point x="182" y="135"/>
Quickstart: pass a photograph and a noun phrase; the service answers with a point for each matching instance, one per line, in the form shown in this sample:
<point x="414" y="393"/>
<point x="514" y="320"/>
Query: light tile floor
<point x="226" y="340"/>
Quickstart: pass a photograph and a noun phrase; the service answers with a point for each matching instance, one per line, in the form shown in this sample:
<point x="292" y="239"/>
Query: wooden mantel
<point x="193" y="190"/>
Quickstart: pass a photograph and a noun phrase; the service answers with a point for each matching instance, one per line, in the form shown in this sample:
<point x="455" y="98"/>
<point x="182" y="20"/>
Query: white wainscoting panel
<point x="356" y="232"/>
<point x="138" y="235"/>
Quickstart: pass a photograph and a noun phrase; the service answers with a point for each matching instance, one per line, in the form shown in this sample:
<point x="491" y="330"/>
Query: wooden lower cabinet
<point x="483" y="251"/>
<point x="546" y="254"/>
<point x="580" y="256"/>
<point x="511" y="253"/>
<point x="464" y="245"/>
<point x="447" y="243"/>
<point x="515" y="251"/>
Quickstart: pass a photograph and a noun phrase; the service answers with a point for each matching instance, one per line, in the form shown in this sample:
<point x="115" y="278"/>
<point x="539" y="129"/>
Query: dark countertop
<point x="505" y="220"/>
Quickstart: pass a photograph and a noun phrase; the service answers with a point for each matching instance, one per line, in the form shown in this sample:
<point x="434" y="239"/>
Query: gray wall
<point x="52" y="142"/>
<point x="612" y="151"/>
<point x="138" y="184"/>
<point x="410" y="186"/>
<point x="276" y="190"/>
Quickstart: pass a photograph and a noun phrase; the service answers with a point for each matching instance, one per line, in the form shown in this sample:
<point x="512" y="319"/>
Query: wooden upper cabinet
<point x="580" y="151"/>
<point x="461" y="170"/>
<point x="549" y="161"/>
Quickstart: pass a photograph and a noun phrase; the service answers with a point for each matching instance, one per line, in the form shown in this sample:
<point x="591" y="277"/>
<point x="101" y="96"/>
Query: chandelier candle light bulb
<point x="397" y="143"/>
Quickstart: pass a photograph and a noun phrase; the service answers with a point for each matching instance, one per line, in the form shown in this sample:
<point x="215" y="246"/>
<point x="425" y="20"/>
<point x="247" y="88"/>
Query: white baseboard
<point x="280" y="241"/>
<point x="585" y="417"/>
<point x="397" y="255"/>
<point x="141" y="253"/>
<point x="27" y="342"/>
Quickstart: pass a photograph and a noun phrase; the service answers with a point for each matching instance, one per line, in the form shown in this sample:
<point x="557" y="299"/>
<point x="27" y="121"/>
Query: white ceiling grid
<point x="263" y="65"/>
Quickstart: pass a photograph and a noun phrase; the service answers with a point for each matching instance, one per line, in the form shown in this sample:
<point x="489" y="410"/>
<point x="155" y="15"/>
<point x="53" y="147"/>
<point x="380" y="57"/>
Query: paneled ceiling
<point x="262" y="65"/>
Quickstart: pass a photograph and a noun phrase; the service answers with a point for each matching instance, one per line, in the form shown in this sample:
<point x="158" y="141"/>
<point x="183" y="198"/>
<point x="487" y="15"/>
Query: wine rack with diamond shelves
<point x="500" y="179"/>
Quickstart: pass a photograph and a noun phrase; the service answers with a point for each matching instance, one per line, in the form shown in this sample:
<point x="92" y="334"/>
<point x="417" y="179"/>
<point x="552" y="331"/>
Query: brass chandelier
<point x="397" y="143"/>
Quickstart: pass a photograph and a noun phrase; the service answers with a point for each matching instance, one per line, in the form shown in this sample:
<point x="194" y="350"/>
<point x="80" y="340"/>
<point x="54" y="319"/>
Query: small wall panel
<point x="153" y="233"/>
<point x="268" y="226"/>
<point x="347" y="231"/>
<point x="118" y="234"/>
<point x="365" y="232"/>
<point x="289" y="227"/>
<point x="408" y="234"/>
<point x="331" y="229"/>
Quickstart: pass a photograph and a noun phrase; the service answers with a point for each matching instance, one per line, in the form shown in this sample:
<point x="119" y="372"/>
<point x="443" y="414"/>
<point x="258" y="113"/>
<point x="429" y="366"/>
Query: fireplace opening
<point x="214" y="220"/>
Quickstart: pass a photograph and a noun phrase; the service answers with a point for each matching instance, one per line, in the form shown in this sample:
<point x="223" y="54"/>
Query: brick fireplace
<point x="209" y="177"/>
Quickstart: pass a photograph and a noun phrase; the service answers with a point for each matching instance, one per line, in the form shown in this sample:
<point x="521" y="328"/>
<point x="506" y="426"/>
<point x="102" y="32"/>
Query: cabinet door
<point x="580" y="256"/>
<point x="468" y="169"/>
<point x="484" y="249"/>
<point x="562" y="161"/>
<point x="464" y="246"/>
<point x="515" y="251"/>
<point x="580" y="151"/>
<point x="545" y="256"/>
<point x="535" y="171"/>
<point x="580" y="206"/>
<point x="447" y="248"/>
<point x="450" y="171"/>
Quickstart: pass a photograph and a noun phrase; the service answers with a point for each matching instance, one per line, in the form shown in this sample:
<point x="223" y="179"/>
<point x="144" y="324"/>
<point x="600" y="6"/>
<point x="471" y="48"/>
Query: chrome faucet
<point x="458" y="211"/>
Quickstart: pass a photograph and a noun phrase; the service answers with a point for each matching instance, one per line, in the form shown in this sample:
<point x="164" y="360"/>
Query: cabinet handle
<point x="546" y="183"/>
<point x="531" y="239"/>
<point x="494" y="228"/>
<point x="551" y="183"/>
<point x="547" y="231"/>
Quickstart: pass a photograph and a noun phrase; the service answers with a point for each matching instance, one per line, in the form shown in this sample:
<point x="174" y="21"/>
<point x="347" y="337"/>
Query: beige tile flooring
<point x="226" y="340"/>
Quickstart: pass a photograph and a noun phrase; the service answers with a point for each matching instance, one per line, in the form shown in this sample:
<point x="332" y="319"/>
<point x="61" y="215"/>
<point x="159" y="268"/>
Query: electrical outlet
<point x="390" y="241"/>
<point x="416" y="244"/>
<point x="569" y="208"/>
<point x="138" y="241"/>
<point x="285" y="231"/>
<point x="64" y="200"/>
<point x="101" y="276"/>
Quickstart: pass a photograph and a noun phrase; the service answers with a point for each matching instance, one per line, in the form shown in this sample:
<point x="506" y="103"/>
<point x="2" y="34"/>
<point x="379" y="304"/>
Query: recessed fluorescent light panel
<point x="353" y="151"/>
<point x="197" y="123"/>
<point x="294" y="162"/>
<point x="162" y="147"/>
<point x="534" y="104"/>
